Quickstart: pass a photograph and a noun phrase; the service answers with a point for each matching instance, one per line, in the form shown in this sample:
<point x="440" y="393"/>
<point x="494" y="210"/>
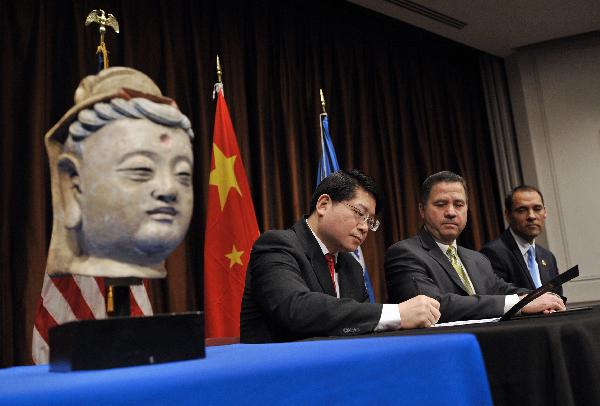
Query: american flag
<point x="75" y="297"/>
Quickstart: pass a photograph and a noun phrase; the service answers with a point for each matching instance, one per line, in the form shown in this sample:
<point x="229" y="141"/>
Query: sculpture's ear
<point x="70" y="189"/>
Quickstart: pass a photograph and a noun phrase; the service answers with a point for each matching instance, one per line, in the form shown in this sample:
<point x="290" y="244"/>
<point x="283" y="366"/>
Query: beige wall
<point x="555" y="92"/>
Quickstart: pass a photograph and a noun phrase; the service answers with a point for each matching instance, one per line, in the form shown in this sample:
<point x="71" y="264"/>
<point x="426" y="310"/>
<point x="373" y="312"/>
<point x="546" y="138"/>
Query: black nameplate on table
<point x="126" y="341"/>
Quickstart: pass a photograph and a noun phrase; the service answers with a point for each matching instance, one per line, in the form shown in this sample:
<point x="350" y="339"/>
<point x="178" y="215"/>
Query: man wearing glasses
<point x="303" y="282"/>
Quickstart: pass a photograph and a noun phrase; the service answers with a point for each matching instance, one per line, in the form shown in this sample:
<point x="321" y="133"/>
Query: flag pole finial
<point x="219" y="71"/>
<point x="104" y="20"/>
<point x="322" y="101"/>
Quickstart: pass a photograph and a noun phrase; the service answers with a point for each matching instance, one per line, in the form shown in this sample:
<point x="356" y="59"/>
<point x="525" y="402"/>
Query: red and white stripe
<point x="76" y="297"/>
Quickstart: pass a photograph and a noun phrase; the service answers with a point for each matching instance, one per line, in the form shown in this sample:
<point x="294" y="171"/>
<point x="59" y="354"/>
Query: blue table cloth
<point x="425" y="370"/>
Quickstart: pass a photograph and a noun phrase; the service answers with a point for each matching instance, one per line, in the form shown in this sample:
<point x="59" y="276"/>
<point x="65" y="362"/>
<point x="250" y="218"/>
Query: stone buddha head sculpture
<point x="121" y="171"/>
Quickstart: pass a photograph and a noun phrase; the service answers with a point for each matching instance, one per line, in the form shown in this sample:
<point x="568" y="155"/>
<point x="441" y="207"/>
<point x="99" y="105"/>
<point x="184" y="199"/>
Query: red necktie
<point x="331" y="264"/>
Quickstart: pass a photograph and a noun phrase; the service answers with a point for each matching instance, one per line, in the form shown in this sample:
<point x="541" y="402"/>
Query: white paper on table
<point x="463" y="322"/>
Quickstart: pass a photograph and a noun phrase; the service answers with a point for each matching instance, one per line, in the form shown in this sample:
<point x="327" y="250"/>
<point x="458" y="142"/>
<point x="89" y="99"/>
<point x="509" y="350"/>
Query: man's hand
<point x="547" y="303"/>
<point x="420" y="311"/>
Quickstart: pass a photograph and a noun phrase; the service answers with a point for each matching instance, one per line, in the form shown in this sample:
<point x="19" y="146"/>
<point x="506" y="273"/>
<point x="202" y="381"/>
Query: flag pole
<point x="219" y="85"/>
<point x="219" y="71"/>
<point x="323" y="115"/>
<point x="117" y="297"/>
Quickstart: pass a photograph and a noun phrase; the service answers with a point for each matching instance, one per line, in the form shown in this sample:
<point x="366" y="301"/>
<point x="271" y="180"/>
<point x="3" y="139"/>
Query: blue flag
<point x="328" y="164"/>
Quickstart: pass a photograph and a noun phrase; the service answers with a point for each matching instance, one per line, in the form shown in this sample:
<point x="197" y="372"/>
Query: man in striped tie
<point x="431" y="263"/>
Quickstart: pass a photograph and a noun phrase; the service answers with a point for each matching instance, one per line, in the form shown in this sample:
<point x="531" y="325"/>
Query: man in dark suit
<point x="302" y="282"/>
<point x="515" y="256"/>
<point x="431" y="263"/>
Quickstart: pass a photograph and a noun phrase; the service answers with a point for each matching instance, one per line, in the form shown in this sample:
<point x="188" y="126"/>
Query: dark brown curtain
<point x="403" y="103"/>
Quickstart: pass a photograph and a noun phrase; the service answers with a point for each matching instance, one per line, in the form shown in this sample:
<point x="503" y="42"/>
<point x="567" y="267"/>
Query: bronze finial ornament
<point x="100" y="17"/>
<point x="219" y="71"/>
<point x="219" y="85"/>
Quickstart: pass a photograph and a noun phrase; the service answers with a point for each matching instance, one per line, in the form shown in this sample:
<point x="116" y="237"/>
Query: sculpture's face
<point x="136" y="197"/>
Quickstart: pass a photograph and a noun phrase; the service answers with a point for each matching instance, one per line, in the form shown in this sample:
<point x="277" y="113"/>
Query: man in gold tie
<point x="431" y="263"/>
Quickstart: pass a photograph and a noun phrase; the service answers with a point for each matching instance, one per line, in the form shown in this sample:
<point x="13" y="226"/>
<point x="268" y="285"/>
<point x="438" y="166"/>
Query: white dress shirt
<point x="390" y="314"/>
<point x="522" y="244"/>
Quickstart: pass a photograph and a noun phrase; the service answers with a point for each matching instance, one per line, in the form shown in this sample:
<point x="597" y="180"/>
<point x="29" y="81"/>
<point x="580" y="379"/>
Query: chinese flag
<point x="231" y="229"/>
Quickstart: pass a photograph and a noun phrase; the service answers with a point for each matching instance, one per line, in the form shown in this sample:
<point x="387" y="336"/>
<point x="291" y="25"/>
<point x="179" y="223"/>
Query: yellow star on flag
<point x="235" y="257"/>
<point x="223" y="176"/>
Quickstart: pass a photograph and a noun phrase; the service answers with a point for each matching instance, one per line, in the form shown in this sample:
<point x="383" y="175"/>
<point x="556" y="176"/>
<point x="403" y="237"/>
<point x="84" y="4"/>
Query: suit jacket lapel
<point x="510" y="242"/>
<point x="342" y="271"/>
<point x="315" y="256"/>
<point x="349" y="271"/>
<point x="542" y="265"/>
<point x="436" y="253"/>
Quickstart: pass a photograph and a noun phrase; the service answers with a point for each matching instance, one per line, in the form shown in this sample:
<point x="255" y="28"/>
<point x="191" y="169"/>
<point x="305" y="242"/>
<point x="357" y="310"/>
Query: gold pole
<point x="322" y="101"/>
<point x="104" y="20"/>
<point x="219" y="71"/>
<point x="110" y="303"/>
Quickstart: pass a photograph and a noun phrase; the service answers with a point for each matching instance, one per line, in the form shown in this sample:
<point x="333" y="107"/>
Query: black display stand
<point x="126" y="341"/>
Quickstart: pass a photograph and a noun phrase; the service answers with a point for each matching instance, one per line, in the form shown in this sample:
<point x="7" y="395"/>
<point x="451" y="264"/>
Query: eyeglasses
<point x="372" y="222"/>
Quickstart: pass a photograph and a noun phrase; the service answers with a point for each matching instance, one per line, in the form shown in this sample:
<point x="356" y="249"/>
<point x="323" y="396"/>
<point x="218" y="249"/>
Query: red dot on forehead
<point x="165" y="139"/>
